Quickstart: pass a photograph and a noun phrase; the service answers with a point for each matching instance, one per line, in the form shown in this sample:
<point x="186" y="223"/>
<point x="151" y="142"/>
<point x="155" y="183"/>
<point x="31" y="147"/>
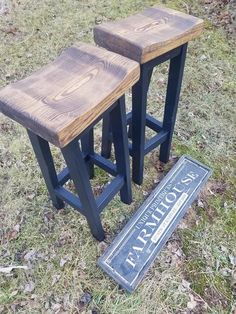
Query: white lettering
<point x="169" y="195"/>
<point x="130" y="259"/>
<point x="178" y="189"/>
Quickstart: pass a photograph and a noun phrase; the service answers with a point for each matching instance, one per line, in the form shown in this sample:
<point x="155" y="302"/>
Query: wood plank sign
<point x="135" y="248"/>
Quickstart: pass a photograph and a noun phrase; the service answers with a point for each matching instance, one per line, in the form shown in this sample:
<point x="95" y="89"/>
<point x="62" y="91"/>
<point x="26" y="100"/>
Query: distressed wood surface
<point x="149" y="34"/>
<point x="59" y="101"/>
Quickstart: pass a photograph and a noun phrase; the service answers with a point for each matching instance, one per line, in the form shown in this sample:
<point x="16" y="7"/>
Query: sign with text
<point x="134" y="249"/>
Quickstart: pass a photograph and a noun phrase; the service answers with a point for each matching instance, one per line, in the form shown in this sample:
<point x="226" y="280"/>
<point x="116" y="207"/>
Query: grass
<point x="34" y="234"/>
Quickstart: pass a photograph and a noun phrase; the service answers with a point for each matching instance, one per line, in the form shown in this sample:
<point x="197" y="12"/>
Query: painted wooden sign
<point x="135" y="248"/>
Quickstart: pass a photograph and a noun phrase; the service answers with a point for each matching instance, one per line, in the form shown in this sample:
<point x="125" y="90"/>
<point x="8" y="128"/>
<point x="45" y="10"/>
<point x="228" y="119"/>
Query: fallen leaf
<point x="12" y="30"/>
<point x="179" y="253"/>
<point x="224" y="248"/>
<point x="14" y="293"/>
<point x="55" y="279"/>
<point x="63" y="262"/>
<point x="56" y="307"/>
<point x="159" y="166"/>
<point x="225" y="272"/>
<point x="65" y="259"/>
<point x="232" y="259"/>
<point x="85" y="299"/>
<point x="12" y="235"/>
<point x="192" y="303"/>
<point x="34" y="296"/>
<point x="29" y="256"/>
<point x="29" y="287"/>
<point x="64" y="239"/>
<point x="47" y="305"/>
<point x="30" y="196"/>
<point x="66" y="300"/>
<point x="8" y="269"/>
<point x="17" y="228"/>
<point x="182" y="225"/>
<point x="186" y="284"/>
<point x="233" y="280"/>
<point x="200" y="203"/>
<point x="48" y="216"/>
<point x="102" y="246"/>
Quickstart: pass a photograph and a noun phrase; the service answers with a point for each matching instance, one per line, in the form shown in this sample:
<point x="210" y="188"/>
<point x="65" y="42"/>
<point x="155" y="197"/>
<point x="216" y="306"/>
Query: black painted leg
<point x="149" y="75"/>
<point x="45" y="160"/>
<point x="106" y="137"/>
<point x="79" y="174"/>
<point x="139" y="104"/>
<point x="172" y="98"/>
<point x="120" y="139"/>
<point x="87" y="142"/>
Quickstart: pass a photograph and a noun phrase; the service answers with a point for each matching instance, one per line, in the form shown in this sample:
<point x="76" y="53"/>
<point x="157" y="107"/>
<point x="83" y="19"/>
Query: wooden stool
<point x="60" y="104"/>
<point x="150" y="37"/>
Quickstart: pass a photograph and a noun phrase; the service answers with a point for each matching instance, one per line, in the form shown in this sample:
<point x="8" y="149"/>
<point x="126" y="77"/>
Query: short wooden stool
<point x="60" y="104"/>
<point x="150" y="37"/>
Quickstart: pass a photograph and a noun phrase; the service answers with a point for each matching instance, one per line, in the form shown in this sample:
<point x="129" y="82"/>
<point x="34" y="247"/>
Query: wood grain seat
<point x="62" y="99"/>
<point x="149" y="34"/>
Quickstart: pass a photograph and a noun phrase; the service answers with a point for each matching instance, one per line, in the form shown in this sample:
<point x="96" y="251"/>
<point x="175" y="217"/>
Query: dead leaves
<point x="55" y="279"/>
<point x="30" y="255"/>
<point x="11" y="30"/>
<point x="66" y="238"/>
<point x="11" y="234"/>
<point x="192" y="304"/>
<point x="195" y="304"/>
<point x="233" y="280"/>
<point x="102" y="246"/>
<point x="232" y="260"/>
<point x="222" y="13"/>
<point x="65" y="259"/>
<point x="211" y="189"/>
<point x="85" y="299"/>
<point x="173" y="255"/>
<point x="68" y="304"/>
<point x="29" y="287"/>
<point x="48" y="216"/>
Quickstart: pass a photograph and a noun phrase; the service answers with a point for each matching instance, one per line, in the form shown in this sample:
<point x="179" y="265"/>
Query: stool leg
<point x="45" y="160"/>
<point x="130" y="126"/>
<point x="79" y="174"/>
<point x="139" y="104"/>
<point x="120" y="139"/>
<point x="172" y="98"/>
<point x="87" y="142"/>
<point x="106" y="137"/>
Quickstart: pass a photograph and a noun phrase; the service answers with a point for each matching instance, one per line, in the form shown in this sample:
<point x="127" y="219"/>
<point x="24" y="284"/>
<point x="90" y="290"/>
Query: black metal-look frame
<point x="80" y="167"/>
<point x="139" y="119"/>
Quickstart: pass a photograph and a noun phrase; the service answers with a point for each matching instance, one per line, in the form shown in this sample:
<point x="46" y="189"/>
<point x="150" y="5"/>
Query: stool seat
<point x="149" y="34"/>
<point x="62" y="99"/>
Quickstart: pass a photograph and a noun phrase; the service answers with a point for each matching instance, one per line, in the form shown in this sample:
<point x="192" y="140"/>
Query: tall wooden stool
<point x="60" y="104"/>
<point x="150" y="37"/>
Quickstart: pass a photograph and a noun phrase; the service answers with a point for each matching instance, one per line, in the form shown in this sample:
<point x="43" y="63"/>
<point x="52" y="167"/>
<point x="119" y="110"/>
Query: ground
<point x="195" y="272"/>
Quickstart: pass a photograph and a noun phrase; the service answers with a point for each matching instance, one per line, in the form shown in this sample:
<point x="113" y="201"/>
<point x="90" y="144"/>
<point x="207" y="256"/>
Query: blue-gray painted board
<point x="130" y="255"/>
